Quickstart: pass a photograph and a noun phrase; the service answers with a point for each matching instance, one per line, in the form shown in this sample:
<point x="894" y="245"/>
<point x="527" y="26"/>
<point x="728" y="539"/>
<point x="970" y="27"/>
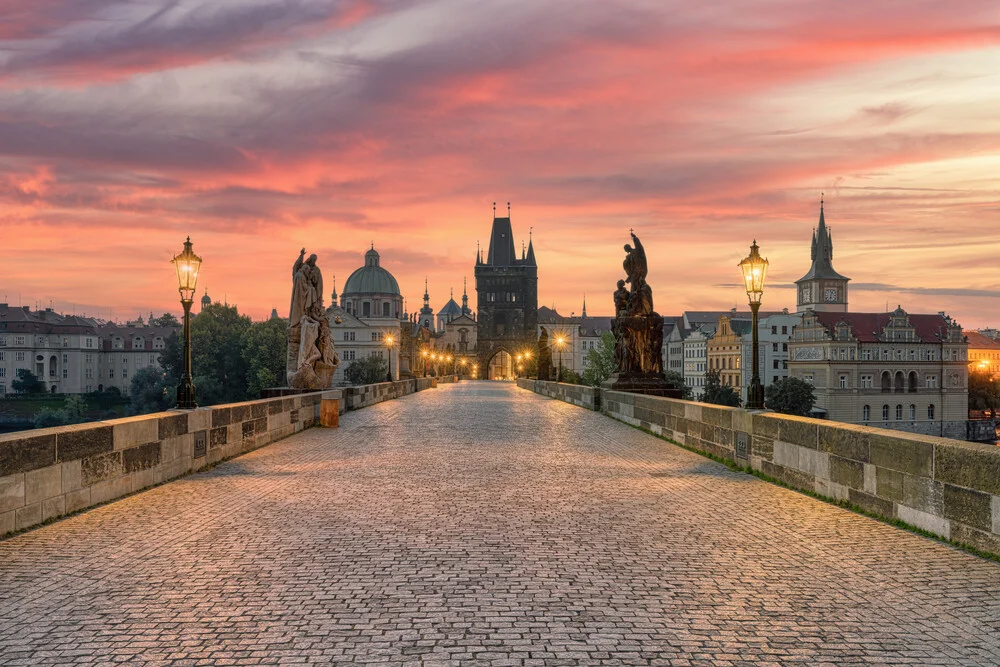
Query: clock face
<point x="806" y="294"/>
<point x="831" y="294"/>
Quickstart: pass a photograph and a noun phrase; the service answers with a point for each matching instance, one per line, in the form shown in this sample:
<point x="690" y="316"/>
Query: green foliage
<point x="264" y="346"/>
<point x="790" y="396"/>
<point x="72" y="412"/>
<point x="151" y="390"/>
<point x="984" y="391"/>
<point x="568" y="376"/>
<point x="676" y="379"/>
<point x="165" y="320"/>
<point x="27" y="382"/>
<point x="367" y="370"/>
<point x="718" y="393"/>
<point x="170" y="357"/>
<point x="600" y="361"/>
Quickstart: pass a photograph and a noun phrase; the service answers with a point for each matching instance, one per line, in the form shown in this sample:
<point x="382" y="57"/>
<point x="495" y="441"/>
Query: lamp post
<point x="754" y="269"/>
<point x="423" y="364"/>
<point x="560" y="343"/>
<point x="388" y="341"/>
<point x="187" y="265"/>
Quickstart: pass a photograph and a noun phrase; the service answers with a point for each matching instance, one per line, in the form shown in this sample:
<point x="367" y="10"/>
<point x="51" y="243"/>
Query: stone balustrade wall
<point x="947" y="487"/>
<point x="46" y="473"/>
<point x="580" y="395"/>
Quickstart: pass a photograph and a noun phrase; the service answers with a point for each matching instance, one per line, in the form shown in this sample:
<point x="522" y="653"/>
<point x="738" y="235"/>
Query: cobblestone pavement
<point x="482" y="524"/>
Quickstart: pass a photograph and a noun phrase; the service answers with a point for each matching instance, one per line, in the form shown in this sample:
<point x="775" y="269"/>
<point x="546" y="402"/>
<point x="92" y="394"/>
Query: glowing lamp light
<point x="187" y="264"/>
<point x="754" y="269"/>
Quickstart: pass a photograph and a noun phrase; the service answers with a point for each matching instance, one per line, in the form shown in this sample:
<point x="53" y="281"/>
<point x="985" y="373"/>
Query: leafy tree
<point x="569" y="376"/>
<point x="790" y="396"/>
<point x="170" y="357"/>
<point x="72" y="412"/>
<point x="264" y="346"/>
<point x="27" y="382"/>
<point x="164" y="320"/>
<point x="367" y="370"/>
<point x="600" y="361"/>
<point x="151" y="390"/>
<point x="676" y="379"/>
<point x="984" y="392"/>
<point x="75" y="409"/>
<point x="718" y="393"/>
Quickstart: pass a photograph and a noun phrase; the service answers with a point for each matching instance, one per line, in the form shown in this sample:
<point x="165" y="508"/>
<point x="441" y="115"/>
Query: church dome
<point x="371" y="278"/>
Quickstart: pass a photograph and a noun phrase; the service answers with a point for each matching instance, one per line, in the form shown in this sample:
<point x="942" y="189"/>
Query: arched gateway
<point x="500" y="366"/>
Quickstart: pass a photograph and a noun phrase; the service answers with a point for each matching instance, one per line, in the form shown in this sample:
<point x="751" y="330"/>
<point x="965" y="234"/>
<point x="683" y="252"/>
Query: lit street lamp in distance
<point x="389" y="341"/>
<point x="187" y="264"/>
<point x="754" y="268"/>
<point x="560" y="342"/>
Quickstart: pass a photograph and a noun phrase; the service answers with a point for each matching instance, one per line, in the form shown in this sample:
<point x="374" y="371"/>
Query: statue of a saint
<point x="311" y="360"/>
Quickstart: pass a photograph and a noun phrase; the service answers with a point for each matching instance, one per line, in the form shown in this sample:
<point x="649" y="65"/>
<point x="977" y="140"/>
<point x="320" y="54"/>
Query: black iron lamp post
<point x="560" y="344"/>
<point x="187" y="265"/>
<point x="389" y="342"/>
<point x="754" y="269"/>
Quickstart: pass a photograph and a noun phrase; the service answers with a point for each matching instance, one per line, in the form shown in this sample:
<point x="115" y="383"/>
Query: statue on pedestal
<point x="311" y="360"/>
<point x="638" y="331"/>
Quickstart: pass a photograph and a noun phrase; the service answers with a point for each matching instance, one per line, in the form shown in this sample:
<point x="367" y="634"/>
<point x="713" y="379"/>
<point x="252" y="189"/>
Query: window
<point x="90" y="342"/>
<point x="3" y="389"/>
<point x="3" y="339"/>
<point x="65" y="342"/>
<point x="89" y="373"/>
<point x="18" y="340"/>
<point x="3" y="356"/>
<point x="784" y="347"/>
<point x="19" y="356"/>
<point x="784" y="329"/>
<point x="346" y="337"/>
<point x="866" y="381"/>
<point x="912" y="382"/>
<point x="930" y="382"/>
<point x="843" y="382"/>
<point x="774" y="378"/>
<point x="124" y="359"/>
<point x="3" y="372"/>
<point x="366" y="309"/>
<point x="111" y="373"/>
<point x="65" y="358"/>
<point x="775" y="364"/>
<point x="885" y="413"/>
<point x="809" y="377"/>
<point x="930" y="411"/>
<point x="385" y="309"/>
<point x="899" y="412"/>
<point x="119" y="344"/>
<point x="774" y="330"/>
<point x="65" y="373"/>
<point x="152" y="359"/>
<point x="913" y="412"/>
<point x="866" y="355"/>
<point x="774" y="347"/>
<point x="784" y="364"/>
<point x="124" y="373"/>
<point x="866" y="413"/>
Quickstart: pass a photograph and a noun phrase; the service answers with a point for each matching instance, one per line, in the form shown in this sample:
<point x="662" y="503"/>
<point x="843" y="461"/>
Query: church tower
<point x="426" y="317"/>
<point x="822" y="289"/>
<point x="507" y="305"/>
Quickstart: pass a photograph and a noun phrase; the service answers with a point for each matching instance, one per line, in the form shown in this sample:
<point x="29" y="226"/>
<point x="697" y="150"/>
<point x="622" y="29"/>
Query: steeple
<point x="333" y="295"/>
<point x="822" y="288"/>
<point x="427" y="296"/>
<point x="465" y="297"/>
<point x="584" y="304"/>
<point x="530" y="259"/>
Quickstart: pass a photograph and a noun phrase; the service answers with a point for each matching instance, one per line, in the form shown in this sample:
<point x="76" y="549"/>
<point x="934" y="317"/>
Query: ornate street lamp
<point x="423" y="363"/>
<point x="754" y="269"/>
<point x="187" y="264"/>
<point x="560" y="343"/>
<point x="388" y="341"/>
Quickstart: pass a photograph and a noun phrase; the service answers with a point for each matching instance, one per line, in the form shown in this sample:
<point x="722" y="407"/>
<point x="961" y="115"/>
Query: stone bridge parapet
<point x="950" y="488"/>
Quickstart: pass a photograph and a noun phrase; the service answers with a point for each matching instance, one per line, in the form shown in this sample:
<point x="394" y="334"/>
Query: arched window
<point x="366" y="309"/>
<point x="913" y="382"/>
<point x="900" y="382"/>
<point x="899" y="412"/>
<point x="930" y="411"/>
<point x="885" y="413"/>
<point x="385" y="309"/>
<point x="866" y="413"/>
<point x="913" y="412"/>
<point x="886" y="382"/>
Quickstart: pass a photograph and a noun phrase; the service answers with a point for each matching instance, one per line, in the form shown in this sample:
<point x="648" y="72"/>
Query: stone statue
<point x="311" y="360"/>
<point x="638" y="331"/>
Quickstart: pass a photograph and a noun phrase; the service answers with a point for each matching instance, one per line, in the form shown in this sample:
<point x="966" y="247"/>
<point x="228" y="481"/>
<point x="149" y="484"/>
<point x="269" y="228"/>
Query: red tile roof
<point x="867" y="327"/>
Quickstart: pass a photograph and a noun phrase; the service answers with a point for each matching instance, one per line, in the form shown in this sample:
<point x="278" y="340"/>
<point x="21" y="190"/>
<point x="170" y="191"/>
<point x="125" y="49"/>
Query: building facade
<point x="984" y="353"/>
<point x="725" y="350"/>
<point x="774" y="332"/>
<point x="890" y="370"/>
<point x="507" y="297"/>
<point x="822" y="289"/>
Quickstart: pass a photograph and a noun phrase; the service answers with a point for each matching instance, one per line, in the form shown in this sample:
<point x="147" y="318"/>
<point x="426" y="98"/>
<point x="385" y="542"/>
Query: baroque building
<point x="822" y="289"/>
<point x="507" y="296"/>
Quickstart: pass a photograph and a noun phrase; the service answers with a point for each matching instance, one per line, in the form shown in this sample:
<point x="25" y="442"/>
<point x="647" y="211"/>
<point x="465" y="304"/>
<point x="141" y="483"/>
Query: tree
<point x="790" y="396"/>
<point x="676" y="379"/>
<point x="27" y="382"/>
<point x="984" y="392"/>
<point x="164" y="320"/>
<point x="600" y="363"/>
<point x="367" y="370"/>
<point x="151" y="390"/>
<point x="264" y="347"/>
<point x="718" y="393"/>
<point x="72" y="412"/>
<point x="569" y="376"/>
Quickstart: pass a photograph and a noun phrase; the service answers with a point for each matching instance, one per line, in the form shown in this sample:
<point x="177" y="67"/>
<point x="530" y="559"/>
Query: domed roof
<point x="451" y="308"/>
<point x="371" y="278"/>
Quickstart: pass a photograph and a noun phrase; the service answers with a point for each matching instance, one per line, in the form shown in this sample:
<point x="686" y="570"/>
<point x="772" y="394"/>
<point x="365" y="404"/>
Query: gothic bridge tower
<point x="507" y="289"/>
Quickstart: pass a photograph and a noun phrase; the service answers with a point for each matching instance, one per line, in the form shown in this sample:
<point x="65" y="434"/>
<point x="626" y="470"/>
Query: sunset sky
<point x="261" y="127"/>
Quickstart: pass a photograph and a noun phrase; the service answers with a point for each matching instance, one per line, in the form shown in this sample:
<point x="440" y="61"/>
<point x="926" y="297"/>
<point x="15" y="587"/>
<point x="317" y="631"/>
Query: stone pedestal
<point x="651" y="384"/>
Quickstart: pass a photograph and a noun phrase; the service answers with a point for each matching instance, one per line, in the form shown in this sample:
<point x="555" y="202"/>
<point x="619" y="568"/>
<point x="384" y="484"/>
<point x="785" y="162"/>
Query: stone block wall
<point x="947" y="487"/>
<point x="582" y="396"/>
<point x="46" y="473"/>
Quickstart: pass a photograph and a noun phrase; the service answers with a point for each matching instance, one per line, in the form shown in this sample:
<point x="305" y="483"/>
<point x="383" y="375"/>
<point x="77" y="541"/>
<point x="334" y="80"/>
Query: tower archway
<point x="500" y="366"/>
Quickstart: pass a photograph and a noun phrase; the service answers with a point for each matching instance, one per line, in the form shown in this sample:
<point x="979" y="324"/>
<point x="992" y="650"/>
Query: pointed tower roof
<point x="465" y="297"/>
<point x="584" y="314"/>
<point x="822" y="253"/>
<point x="501" y="250"/>
<point x="426" y="309"/>
<point x="333" y="295"/>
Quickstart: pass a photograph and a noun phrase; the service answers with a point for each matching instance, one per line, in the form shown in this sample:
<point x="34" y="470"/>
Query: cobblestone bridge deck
<point x="480" y="523"/>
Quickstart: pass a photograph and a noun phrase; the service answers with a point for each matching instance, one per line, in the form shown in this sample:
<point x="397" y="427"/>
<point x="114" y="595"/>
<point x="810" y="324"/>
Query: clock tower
<point x="822" y="289"/>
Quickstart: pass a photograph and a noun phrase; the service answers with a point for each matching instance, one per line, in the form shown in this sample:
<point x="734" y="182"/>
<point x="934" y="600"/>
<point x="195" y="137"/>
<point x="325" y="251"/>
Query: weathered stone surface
<point x="199" y="420"/>
<point x="933" y="523"/>
<point x="11" y="492"/>
<point x="224" y="416"/>
<point x="889" y="484"/>
<point x="72" y="475"/>
<point x="905" y="454"/>
<point x="258" y="410"/>
<point x="42" y="484"/>
<point x="848" y="443"/>
<point x="871" y="503"/>
<point x="217" y="437"/>
<point x="76" y="442"/>
<point x="766" y="425"/>
<point x="847" y="472"/>
<point x="101" y="467"/>
<point x="23" y="454"/>
<point x="923" y="494"/>
<point x="28" y="516"/>
<point x="799" y="431"/>
<point x="139" y="458"/>
<point x="972" y="508"/>
<point x="968" y="464"/>
<point x="132" y="431"/>
<point x="173" y="426"/>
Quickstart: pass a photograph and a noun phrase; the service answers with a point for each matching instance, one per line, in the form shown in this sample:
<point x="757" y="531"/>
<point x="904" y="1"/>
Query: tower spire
<point x="333" y="296"/>
<point x="584" y="304"/>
